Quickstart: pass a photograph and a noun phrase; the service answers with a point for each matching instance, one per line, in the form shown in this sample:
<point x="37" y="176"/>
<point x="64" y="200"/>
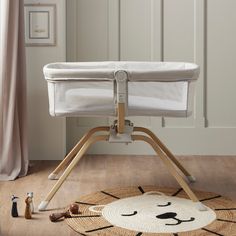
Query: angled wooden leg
<point x="171" y="169"/>
<point x="73" y="152"/>
<point x="43" y="205"/>
<point x="190" y="177"/>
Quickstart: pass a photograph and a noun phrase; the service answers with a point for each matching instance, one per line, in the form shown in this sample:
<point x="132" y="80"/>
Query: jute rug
<point x="149" y="211"/>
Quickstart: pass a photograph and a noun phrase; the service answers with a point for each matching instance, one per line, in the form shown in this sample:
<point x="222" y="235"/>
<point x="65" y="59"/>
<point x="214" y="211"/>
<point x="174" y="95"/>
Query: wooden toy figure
<point x="74" y="208"/>
<point x="14" y="212"/>
<point x="28" y="215"/>
<point x="54" y="217"/>
<point x="30" y="194"/>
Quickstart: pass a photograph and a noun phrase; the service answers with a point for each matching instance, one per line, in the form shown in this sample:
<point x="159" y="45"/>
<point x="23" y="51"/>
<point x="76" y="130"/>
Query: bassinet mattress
<point x="154" y="88"/>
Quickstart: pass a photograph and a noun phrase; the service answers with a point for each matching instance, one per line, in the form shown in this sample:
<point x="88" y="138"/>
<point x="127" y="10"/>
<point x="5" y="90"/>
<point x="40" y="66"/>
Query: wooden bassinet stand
<point x="122" y="131"/>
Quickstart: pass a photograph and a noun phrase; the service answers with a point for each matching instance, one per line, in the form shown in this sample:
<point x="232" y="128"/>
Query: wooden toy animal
<point x="54" y="217"/>
<point x="31" y="195"/>
<point x="14" y="212"/>
<point x="28" y="215"/>
<point x="74" y="208"/>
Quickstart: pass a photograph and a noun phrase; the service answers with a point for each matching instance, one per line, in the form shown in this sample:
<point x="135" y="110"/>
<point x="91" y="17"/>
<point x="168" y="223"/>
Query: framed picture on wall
<point x="40" y="24"/>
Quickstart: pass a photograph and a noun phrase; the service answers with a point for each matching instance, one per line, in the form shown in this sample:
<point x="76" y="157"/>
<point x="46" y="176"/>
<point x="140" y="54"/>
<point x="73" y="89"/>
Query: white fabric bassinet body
<point x="154" y="88"/>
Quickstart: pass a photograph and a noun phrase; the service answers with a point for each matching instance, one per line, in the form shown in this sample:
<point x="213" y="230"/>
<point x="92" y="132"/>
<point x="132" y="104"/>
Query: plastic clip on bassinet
<point x="121" y="89"/>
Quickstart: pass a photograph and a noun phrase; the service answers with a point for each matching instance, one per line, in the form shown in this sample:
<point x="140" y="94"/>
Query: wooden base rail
<point x="170" y="161"/>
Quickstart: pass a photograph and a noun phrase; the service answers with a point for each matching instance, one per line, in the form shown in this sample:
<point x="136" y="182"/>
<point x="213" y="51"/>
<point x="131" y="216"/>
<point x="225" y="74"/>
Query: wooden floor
<point x="216" y="174"/>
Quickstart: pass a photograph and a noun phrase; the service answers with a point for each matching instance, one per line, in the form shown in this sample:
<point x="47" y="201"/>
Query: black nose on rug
<point x="167" y="215"/>
<point x="172" y="215"/>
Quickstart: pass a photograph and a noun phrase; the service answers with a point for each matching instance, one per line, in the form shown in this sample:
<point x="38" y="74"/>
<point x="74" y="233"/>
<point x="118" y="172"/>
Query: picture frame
<point x="40" y="24"/>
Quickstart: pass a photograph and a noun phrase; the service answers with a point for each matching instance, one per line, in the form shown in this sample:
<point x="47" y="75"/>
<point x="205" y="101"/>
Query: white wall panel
<point x="92" y="26"/>
<point x="178" y="30"/>
<point x="200" y="31"/>
<point x="221" y="63"/>
<point x="46" y="134"/>
<point x="140" y="37"/>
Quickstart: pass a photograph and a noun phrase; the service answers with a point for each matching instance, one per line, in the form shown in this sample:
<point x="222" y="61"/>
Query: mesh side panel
<point x="176" y="91"/>
<point x="75" y="98"/>
<point x="81" y="98"/>
<point x="158" y="98"/>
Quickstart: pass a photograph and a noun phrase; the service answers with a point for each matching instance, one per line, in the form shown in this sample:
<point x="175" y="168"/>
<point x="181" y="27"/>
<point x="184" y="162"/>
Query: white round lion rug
<point x="149" y="211"/>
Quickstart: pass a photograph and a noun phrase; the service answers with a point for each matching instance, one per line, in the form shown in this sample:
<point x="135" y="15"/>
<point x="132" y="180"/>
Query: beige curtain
<point x="13" y="133"/>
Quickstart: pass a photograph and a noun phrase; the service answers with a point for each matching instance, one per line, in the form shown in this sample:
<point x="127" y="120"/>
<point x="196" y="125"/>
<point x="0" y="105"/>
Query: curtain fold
<point x="13" y="117"/>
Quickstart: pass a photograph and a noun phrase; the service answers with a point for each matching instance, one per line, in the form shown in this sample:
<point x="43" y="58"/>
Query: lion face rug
<point x="151" y="211"/>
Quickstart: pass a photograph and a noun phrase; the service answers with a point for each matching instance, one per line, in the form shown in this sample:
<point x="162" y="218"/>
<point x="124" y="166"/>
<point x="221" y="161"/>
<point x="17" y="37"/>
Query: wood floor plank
<point x="94" y="173"/>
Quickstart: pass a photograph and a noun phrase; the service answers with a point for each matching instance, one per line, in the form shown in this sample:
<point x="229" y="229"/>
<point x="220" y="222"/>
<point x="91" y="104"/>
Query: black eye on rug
<point x="172" y="215"/>
<point x="167" y="204"/>
<point x="132" y="214"/>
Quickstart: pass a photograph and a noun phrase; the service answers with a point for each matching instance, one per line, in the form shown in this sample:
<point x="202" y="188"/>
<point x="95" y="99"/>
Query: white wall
<point x="46" y="134"/>
<point x="200" y="31"/>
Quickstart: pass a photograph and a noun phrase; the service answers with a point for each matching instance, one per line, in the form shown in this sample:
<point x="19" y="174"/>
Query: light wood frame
<point x="169" y="160"/>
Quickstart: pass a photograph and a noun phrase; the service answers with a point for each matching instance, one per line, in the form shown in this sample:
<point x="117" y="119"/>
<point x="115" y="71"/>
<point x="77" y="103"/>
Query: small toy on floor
<point x="14" y="212"/>
<point x="73" y="209"/>
<point x="31" y="195"/>
<point x="28" y="215"/>
<point x="54" y="217"/>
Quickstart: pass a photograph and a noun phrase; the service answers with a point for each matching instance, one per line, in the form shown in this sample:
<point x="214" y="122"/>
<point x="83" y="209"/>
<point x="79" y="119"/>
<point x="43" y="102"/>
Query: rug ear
<point x="154" y="193"/>
<point x="93" y="208"/>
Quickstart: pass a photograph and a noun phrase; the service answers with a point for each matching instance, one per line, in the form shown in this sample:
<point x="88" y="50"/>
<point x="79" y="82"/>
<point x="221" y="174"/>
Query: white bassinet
<point x="121" y="89"/>
<point x="154" y="88"/>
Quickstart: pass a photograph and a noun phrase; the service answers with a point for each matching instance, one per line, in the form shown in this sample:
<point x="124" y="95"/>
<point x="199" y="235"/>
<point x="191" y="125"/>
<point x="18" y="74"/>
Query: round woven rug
<point x="149" y="211"/>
